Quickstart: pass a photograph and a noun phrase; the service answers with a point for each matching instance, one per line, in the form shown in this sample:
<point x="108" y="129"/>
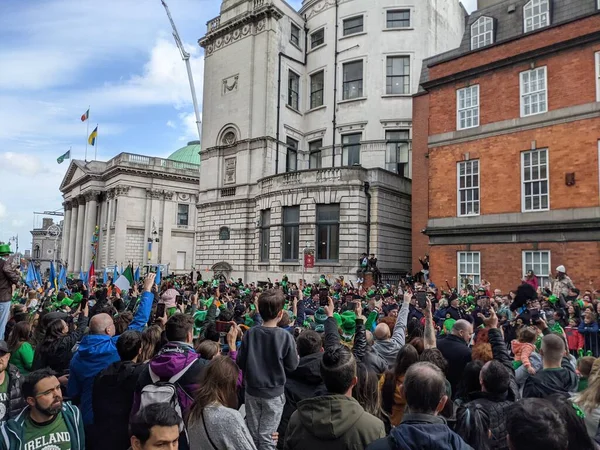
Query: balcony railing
<point x="213" y="24"/>
<point x="130" y="159"/>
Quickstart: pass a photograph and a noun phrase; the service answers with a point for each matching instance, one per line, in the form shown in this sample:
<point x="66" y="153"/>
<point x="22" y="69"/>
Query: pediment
<point x="75" y="172"/>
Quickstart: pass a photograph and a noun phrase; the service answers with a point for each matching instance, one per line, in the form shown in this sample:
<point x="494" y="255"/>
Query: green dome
<point x="189" y="154"/>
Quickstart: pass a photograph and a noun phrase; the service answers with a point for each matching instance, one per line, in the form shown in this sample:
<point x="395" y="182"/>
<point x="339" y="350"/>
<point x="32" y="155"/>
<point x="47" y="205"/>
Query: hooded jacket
<point x="96" y="352"/>
<point x="388" y="349"/>
<point x="421" y="432"/>
<point x="11" y="432"/>
<point x="304" y="382"/>
<point x="16" y="403"/>
<point x="332" y="422"/>
<point x="551" y="381"/>
<point x="8" y="277"/>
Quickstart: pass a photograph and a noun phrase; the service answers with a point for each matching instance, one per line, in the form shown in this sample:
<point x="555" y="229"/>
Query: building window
<point x="351" y="149"/>
<point x="265" y="234"/>
<point x="291" y="159"/>
<point x="115" y="210"/>
<point x="317" y="38"/>
<point x="183" y="212"/>
<point x="469" y="268"/>
<point x="314" y="148"/>
<point x="224" y="234"/>
<point x="398" y="75"/>
<point x="534" y="170"/>
<point x="468" y="188"/>
<point x="353" y="80"/>
<point x="482" y="33"/>
<point x="181" y="260"/>
<point x="399" y="18"/>
<point x="36" y="252"/>
<point x="317" y="82"/>
<point x="293" y="89"/>
<point x="353" y="25"/>
<point x="291" y="233"/>
<point x="397" y="151"/>
<point x="539" y="263"/>
<point x="467" y="106"/>
<point x="295" y="35"/>
<point x="536" y="14"/>
<point x="534" y="92"/>
<point x="328" y="232"/>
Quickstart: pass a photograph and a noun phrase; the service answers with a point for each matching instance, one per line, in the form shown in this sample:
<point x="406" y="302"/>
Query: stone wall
<point x="134" y="245"/>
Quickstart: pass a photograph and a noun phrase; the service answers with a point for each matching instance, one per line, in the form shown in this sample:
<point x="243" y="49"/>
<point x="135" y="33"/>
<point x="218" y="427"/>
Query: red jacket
<point x="574" y="338"/>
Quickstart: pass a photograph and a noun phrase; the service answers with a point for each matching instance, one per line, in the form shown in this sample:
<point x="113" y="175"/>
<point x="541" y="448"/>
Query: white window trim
<point x="522" y="95"/>
<point x="324" y="39"/>
<point x="298" y="45"/>
<point x="524" y="252"/>
<point x="458" y="189"/>
<point x="598" y="71"/>
<point x="410" y="74"/>
<point x="399" y="8"/>
<point x="476" y="26"/>
<point x="547" y="13"/>
<point x="353" y="16"/>
<point x="458" y="274"/>
<point x="341" y="80"/>
<point x="458" y="110"/>
<point x="308" y="100"/>
<point x="299" y="91"/>
<point x="523" y="180"/>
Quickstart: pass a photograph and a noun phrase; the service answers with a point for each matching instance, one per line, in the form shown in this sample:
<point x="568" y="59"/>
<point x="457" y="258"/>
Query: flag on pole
<point x="125" y="280"/>
<point x="91" y="276"/>
<point x="115" y="274"/>
<point x="62" y="278"/>
<point x="53" y="280"/>
<point x="38" y="278"/>
<point x="82" y="275"/>
<point x="86" y="115"/>
<point x="105" y="278"/>
<point x="122" y="268"/>
<point x="157" y="279"/>
<point x="61" y="158"/>
<point x="30" y="278"/>
<point x="136" y="275"/>
<point x="93" y="136"/>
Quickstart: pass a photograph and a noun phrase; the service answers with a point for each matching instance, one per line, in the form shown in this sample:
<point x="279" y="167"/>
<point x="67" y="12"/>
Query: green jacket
<point x="332" y="422"/>
<point x="11" y="432"/>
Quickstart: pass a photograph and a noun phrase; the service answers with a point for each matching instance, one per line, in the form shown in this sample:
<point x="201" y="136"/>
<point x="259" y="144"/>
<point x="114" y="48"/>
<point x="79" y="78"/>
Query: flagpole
<point x="96" y="145"/>
<point x="87" y="135"/>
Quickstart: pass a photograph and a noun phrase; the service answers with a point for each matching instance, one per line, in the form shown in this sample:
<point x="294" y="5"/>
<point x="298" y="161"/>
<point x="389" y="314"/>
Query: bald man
<point x="455" y="348"/>
<point x="387" y="345"/>
<point x="558" y="375"/>
<point x="98" y="350"/>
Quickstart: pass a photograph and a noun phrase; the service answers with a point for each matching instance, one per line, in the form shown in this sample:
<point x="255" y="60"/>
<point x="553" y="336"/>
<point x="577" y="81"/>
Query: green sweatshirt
<point x="22" y="359"/>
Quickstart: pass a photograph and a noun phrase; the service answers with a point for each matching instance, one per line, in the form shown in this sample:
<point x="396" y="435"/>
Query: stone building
<point x="46" y="244"/>
<point x="145" y="209"/>
<point x="506" y="146"/>
<point x="307" y="131"/>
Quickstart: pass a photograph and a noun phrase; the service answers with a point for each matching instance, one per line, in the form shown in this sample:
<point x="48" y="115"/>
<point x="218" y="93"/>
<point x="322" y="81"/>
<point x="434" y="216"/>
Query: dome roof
<point x="188" y="154"/>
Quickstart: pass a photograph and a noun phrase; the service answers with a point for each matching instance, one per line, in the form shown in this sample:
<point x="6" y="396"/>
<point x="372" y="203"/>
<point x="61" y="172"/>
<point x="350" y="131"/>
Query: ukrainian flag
<point x="93" y="136"/>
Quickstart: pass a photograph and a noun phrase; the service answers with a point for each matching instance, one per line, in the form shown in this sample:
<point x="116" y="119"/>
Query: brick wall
<point x="572" y="147"/>
<point x="502" y="266"/>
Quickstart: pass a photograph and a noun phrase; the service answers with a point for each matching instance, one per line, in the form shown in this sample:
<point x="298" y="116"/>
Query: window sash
<point x="265" y="234"/>
<point x="351" y="149"/>
<point x="534" y="92"/>
<point x="328" y="232"/>
<point x="468" y="188"/>
<point x="293" y="89"/>
<point x="469" y="266"/>
<point x="317" y="83"/>
<point x="353" y="25"/>
<point x="398" y="75"/>
<point x="183" y="214"/>
<point x="397" y="151"/>
<point x="295" y="35"/>
<point x="353" y="80"/>
<point x="291" y="233"/>
<point x="398" y="18"/>
<point x="540" y="263"/>
<point x="482" y="33"/>
<point x="535" y="180"/>
<point x="315" y="158"/>
<point x="536" y="14"/>
<point x="467" y="105"/>
<point x="317" y="38"/>
<point x="291" y="159"/>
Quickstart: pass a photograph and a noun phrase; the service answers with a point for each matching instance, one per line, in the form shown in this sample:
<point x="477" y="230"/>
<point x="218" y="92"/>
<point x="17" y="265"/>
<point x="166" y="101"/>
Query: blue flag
<point x="30" y="278"/>
<point x="121" y="269"/>
<point x="136" y="275"/>
<point x="115" y="274"/>
<point x="105" y="277"/>
<point x="38" y="277"/>
<point x="62" y="278"/>
<point x="53" y="280"/>
<point x="157" y="280"/>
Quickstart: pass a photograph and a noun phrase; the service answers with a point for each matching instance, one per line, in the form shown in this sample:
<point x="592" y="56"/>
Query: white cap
<point x="561" y="269"/>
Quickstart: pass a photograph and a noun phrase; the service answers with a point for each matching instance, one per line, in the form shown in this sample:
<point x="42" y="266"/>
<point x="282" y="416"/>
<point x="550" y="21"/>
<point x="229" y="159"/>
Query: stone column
<point x="73" y="234"/>
<point x="168" y="219"/>
<point x="66" y="230"/>
<point x="121" y="193"/>
<point x="110" y="195"/>
<point x="91" y="199"/>
<point x="79" y="239"/>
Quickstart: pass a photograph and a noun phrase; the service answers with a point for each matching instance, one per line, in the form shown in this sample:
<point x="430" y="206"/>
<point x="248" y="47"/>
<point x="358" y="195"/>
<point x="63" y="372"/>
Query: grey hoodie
<point x="389" y="348"/>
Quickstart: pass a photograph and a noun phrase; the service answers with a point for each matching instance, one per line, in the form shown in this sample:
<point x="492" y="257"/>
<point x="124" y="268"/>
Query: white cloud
<point x="22" y="164"/>
<point x="171" y="124"/>
<point x="3" y="212"/>
<point x="189" y="128"/>
<point x="17" y="223"/>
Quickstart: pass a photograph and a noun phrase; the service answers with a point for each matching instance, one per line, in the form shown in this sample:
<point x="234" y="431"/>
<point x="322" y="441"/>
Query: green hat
<point x="371" y="293"/>
<point x="199" y="318"/>
<point x="348" y="325"/>
<point x="5" y="249"/>
<point x="307" y="291"/>
<point x="77" y="297"/>
<point x="320" y="319"/>
<point x="66" y="302"/>
<point x="448" y="325"/>
<point x="553" y="299"/>
<point x="249" y="321"/>
<point x="338" y="319"/>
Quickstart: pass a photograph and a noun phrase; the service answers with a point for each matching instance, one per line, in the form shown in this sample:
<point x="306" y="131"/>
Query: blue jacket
<point x="421" y="432"/>
<point x="96" y="352"/>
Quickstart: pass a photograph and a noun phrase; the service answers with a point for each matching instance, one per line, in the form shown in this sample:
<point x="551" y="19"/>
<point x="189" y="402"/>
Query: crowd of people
<point x="223" y="364"/>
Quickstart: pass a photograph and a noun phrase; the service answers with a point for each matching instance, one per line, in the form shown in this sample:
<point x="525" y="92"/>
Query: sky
<point x="117" y="57"/>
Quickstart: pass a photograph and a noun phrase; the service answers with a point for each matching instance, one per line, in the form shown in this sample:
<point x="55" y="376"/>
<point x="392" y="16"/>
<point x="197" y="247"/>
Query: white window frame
<point x="314" y="47"/>
<point x="398" y="10"/>
<point x="403" y="76"/>
<point x="471" y="111"/>
<point x="539" y="179"/>
<point x="542" y="16"/>
<point x="472" y="273"/>
<point x="474" y="186"/>
<point x="291" y="93"/>
<point x="356" y="16"/>
<point x="363" y="87"/>
<point x="534" y="94"/>
<point x="597" y="55"/>
<point x="480" y="39"/>
<point x="543" y="278"/>
<point x="294" y="26"/>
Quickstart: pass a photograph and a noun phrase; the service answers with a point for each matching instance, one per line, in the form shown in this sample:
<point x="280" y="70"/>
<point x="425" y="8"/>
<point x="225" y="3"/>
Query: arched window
<point x="536" y="14"/>
<point x="36" y="252"/>
<point x="224" y="234"/>
<point x="482" y="33"/>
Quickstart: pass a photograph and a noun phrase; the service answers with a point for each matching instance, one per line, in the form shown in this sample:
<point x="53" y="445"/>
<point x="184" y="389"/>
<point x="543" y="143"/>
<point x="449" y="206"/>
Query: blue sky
<point x="57" y="57"/>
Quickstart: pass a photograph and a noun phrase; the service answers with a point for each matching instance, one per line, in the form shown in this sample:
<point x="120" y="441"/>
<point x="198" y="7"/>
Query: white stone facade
<point x="135" y="201"/>
<point x="314" y="80"/>
<point x="45" y="247"/>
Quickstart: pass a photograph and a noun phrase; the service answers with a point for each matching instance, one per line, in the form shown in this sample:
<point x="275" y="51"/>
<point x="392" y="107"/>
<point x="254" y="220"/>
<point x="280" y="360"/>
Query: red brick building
<point x="506" y="147"/>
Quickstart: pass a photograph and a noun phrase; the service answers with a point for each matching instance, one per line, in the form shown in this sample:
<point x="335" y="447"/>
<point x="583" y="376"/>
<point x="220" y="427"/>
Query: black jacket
<point x="112" y="399"/>
<point x="304" y="382"/>
<point x="458" y="354"/>
<point x="551" y="381"/>
<point x="8" y="277"/>
<point x="57" y="355"/>
<point x="364" y="353"/>
<point x="16" y="403"/>
<point x="500" y="354"/>
<point x="495" y="405"/>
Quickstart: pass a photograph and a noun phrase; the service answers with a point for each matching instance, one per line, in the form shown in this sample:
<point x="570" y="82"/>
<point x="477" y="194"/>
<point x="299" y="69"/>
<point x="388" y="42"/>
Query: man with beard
<point x="47" y="422"/>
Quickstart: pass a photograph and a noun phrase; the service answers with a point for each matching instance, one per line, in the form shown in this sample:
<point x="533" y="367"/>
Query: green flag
<point x="61" y="158"/>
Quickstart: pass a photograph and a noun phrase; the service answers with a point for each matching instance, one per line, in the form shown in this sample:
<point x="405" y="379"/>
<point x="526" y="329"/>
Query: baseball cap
<point x="3" y="347"/>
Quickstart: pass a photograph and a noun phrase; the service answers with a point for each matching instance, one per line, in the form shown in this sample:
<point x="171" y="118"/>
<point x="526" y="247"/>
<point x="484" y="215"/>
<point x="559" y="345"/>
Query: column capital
<point x="122" y="190"/>
<point x="169" y="195"/>
<point x="68" y="205"/>
<point x="92" y="196"/>
<point x="153" y="193"/>
<point x="110" y="194"/>
<point x="75" y="202"/>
